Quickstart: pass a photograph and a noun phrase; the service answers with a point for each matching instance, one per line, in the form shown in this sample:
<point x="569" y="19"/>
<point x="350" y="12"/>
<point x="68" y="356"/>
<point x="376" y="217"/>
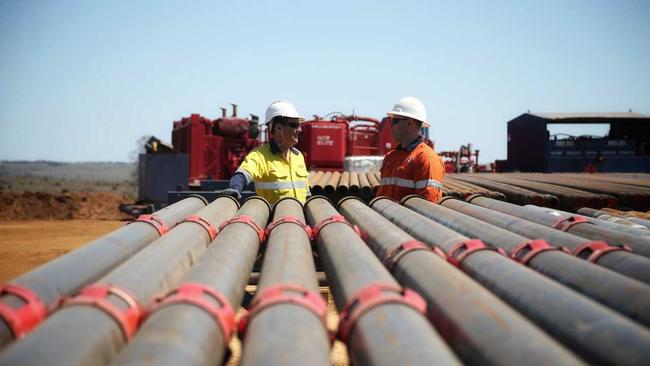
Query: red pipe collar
<point x="194" y="293"/>
<point x="391" y="259"/>
<point x="245" y="219"/>
<point x="291" y="219"/>
<point x="285" y="294"/>
<point x="154" y="221"/>
<point x="25" y="318"/>
<point x="371" y="296"/>
<point x="96" y="295"/>
<point x="593" y="251"/>
<point x="460" y="251"/>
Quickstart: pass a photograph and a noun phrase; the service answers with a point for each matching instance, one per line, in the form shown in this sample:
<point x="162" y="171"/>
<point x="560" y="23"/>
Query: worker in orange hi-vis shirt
<point x="412" y="167"/>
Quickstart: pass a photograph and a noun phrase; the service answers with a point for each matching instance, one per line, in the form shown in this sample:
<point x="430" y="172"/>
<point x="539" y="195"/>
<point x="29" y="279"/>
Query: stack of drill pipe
<point x="602" y="215"/>
<point x="315" y="177"/>
<point x="378" y="176"/>
<point x="570" y="198"/>
<point x="450" y="189"/>
<point x="637" y="240"/>
<point x="467" y="189"/>
<point x="492" y="333"/>
<point x="642" y="182"/>
<point x="332" y="183"/>
<point x="354" y="188"/>
<point x="366" y="189"/>
<point x="447" y="190"/>
<point x="374" y="182"/>
<point x="319" y="185"/>
<point x="285" y="333"/>
<point x="192" y="336"/>
<point x="387" y="334"/>
<point x="624" y="262"/>
<point x="344" y="184"/>
<point x="83" y="334"/>
<point x="597" y="333"/>
<point x="619" y="292"/>
<point x="550" y="217"/>
<point x="630" y="220"/>
<point x="464" y="187"/>
<point x="643" y="222"/>
<point x="476" y="189"/>
<point x="514" y="194"/>
<point x="637" y="214"/>
<point x="603" y="223"/>
<point x="632" y="196"/>
<point x="65" y="275"/>
<point x="592" y="199"/>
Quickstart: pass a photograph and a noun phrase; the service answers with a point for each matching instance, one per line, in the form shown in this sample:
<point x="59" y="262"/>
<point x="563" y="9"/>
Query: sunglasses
<point x="291" y="123"/>
<point x="397" y="120"/>
<point x="287" y="121"/>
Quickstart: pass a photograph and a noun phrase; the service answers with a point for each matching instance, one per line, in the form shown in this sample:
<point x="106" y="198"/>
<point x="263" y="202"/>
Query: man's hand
<point x="230" y="192"/>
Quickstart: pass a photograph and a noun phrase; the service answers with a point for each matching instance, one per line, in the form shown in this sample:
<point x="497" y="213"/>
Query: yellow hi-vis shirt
<point x="276" y="177"/>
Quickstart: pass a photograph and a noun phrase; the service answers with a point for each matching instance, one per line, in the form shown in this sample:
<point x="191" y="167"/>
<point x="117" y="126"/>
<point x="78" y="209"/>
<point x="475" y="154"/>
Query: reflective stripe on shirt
<point x="281" y="185"/>
<point x="407" y="183"/>
<point x="428" y="183"/>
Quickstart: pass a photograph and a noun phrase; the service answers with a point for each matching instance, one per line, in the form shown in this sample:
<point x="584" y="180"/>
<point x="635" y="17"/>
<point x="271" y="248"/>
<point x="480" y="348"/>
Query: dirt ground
<point x="27" y="244"/>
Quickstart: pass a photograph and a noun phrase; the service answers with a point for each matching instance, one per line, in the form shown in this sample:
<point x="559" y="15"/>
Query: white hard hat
<point x="410" y="107"/>
<point x="281" y="108"/>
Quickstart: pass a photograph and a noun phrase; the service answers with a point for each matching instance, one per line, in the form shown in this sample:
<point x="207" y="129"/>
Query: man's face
<point x="400" y="127"/>
<point x="288" y="130"/>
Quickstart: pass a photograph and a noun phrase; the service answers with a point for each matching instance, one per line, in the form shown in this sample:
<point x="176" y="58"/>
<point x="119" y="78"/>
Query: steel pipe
<point x="636" y="197"/>
<point x="624" y="294"/>
<point x="354" y="184"/>
<point x="344" y="184"/>
<point x="66" y="274"/>
<point x="474" y="188"/>
<point x="83" y="333"/>
<point x="332" y="183"/>
<point x="182" y="332"/>
<point x="570" y="198"/>
<point x="621" y="261"/>
<point x="374" y="182"/>
<point x="547" y="217"/>
<point x="639" y="221"/>
<point x="574" y="319"/>
<point x="366" y="189"/>
<point x="391" y="333"/>
<point x="319" y="185"/>
<point x="286" y="333"/>
<point x="315" y="177"/>
<point x="623" y="220"/>
<point x="607" y="225"/>
<point x="515" y="194"/>
<point x="489" y="334"/>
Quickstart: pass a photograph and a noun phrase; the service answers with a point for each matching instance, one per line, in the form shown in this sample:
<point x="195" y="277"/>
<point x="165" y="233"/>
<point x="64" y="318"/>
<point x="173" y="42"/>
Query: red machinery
<point x="215" y="148"/>
<point x="323" y="142"/>
<point x="465" y="160"/>
<point x="326" y="143"/>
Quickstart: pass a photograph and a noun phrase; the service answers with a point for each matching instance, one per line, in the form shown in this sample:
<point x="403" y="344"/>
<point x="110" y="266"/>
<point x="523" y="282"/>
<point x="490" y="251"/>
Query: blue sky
<point x="83" y="80"/>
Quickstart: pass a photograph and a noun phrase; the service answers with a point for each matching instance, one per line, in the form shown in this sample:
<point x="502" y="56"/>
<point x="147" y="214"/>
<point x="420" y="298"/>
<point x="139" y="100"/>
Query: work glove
<point x="230" y="192"/>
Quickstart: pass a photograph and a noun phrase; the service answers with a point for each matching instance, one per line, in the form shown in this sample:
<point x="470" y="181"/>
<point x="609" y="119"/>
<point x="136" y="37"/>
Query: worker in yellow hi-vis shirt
<point x="277" y="168"/>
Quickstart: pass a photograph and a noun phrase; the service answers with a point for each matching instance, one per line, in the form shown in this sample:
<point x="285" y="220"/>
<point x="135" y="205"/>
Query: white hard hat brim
<point x="408" y="115"/>
<point x="301" y="119"/>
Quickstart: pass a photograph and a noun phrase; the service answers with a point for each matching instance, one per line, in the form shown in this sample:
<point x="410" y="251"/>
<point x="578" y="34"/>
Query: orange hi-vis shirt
<point x="416" y="169"/>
